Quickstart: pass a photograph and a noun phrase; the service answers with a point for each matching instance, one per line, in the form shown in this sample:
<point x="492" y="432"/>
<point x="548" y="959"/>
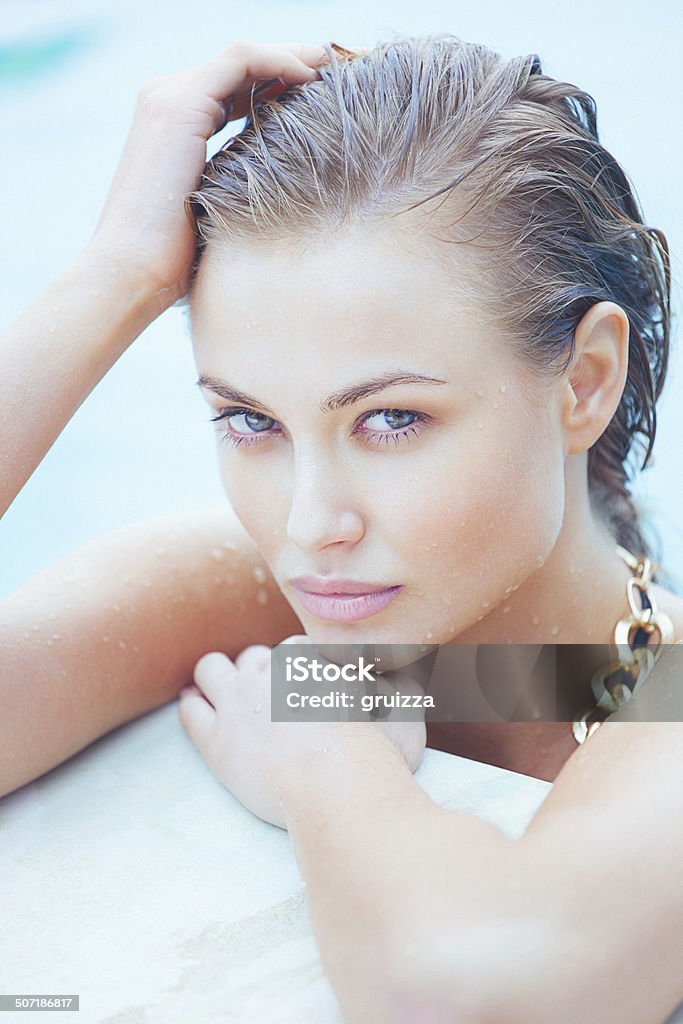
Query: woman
<point x="466" y="327"/>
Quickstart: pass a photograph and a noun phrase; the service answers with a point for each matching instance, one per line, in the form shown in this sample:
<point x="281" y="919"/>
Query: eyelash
<point x="374" y="437"/>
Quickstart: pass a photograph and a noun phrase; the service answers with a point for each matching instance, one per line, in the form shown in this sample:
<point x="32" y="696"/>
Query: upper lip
<point x="324" y="585"/>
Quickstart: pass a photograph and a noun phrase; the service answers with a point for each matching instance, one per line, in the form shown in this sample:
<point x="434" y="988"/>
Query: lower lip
<point x="346" y="607"/>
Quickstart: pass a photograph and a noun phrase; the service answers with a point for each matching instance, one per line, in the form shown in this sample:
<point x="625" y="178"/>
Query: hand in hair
<point x="144" y="225"/>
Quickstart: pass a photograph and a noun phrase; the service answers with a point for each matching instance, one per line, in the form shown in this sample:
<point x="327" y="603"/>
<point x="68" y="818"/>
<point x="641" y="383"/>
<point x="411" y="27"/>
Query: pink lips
<point x="342" y="600"/>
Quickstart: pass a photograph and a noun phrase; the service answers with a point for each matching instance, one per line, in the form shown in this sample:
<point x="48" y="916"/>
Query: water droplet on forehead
<point x="262" y="597"/>
<point x="218" y="555"/>
<point x="503" y="388"/>
<point x="259" y="574"/>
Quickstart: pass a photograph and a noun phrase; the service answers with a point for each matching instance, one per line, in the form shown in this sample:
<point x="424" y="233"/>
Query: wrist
<point x="116" y="270"/>
<point x="343" y="761"/>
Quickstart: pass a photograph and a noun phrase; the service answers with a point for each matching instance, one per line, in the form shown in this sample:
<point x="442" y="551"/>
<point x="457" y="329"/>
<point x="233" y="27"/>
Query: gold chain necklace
<point x="615" y="684"/>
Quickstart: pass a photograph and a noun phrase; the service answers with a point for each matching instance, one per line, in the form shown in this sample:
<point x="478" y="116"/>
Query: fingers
<point x="234" y="71"/>
<point x="196" y="716"/>
<point x="213" y="674"/>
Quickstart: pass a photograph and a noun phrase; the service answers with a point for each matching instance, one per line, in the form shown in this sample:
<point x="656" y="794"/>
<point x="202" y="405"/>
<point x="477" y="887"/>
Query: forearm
<point x="58" y="349"/>
<point x="115" y="628"/>
<point x="420" y="909"/>
<point x="413" y="907"/>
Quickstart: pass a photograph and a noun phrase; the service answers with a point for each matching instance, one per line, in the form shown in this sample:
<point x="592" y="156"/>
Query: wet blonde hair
<point x="497" y="157"/>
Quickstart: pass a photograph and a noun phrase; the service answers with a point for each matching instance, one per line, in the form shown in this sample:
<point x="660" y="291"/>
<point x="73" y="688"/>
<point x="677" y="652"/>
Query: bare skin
<point x="433" y="931"/>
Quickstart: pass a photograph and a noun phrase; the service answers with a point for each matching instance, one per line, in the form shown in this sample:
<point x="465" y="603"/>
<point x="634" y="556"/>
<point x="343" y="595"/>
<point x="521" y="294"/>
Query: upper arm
<point x="115" y="628"/>
<point x="605" y="851"/>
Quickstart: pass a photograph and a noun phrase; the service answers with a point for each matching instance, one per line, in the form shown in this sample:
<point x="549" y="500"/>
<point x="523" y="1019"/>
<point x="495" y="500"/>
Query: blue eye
<point x="243" y="426"/>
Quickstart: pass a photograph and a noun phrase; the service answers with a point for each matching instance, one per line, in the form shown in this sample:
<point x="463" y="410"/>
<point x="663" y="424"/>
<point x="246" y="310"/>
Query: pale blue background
<point x="141" y="444"/>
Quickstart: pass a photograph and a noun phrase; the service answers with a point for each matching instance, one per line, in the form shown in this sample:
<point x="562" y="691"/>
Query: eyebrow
<point x="337" y="400"/>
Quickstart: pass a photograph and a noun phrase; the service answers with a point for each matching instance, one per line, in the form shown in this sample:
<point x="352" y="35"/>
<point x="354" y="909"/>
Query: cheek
<point x="496" y="516"/>
<point x="250" y="495"/>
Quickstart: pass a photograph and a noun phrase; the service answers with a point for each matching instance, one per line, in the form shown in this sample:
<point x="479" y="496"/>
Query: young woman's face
<point x="377" y="439"/>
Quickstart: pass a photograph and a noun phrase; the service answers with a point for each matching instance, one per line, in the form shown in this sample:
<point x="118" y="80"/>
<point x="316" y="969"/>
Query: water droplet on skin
<point x="506" y="609"/>
<point x="486" y="604"/>
<point x="218" y="555"/>
<point x="259" y="574"/>
<point x="123" y="645"/>
<point x="258" y="709"/>
<point x="480" y="426"/>
<point x="503" y="388"/>
<point x="262" y="597"/>
<point x="555" y="630"/>
<point x="536" y="620"/>
<point x="429" y="634"/>
<point x="56" y="636"/>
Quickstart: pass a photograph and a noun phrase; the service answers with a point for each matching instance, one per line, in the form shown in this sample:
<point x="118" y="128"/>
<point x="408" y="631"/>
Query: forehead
<point x="362" y="295"/>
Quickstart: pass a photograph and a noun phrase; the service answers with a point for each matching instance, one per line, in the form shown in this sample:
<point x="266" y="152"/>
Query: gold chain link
<point x="616" y="683"/>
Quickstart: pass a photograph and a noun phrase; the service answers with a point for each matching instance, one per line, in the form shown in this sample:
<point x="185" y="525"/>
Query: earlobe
<point x="597" y="375"/>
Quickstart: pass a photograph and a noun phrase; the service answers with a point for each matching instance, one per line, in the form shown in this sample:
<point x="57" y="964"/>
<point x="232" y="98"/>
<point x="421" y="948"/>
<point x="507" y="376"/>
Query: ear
<point x="596" y="376"/>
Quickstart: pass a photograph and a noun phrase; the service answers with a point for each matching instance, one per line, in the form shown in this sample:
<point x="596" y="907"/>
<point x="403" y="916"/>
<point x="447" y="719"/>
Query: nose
<point x="322" y="511"/>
